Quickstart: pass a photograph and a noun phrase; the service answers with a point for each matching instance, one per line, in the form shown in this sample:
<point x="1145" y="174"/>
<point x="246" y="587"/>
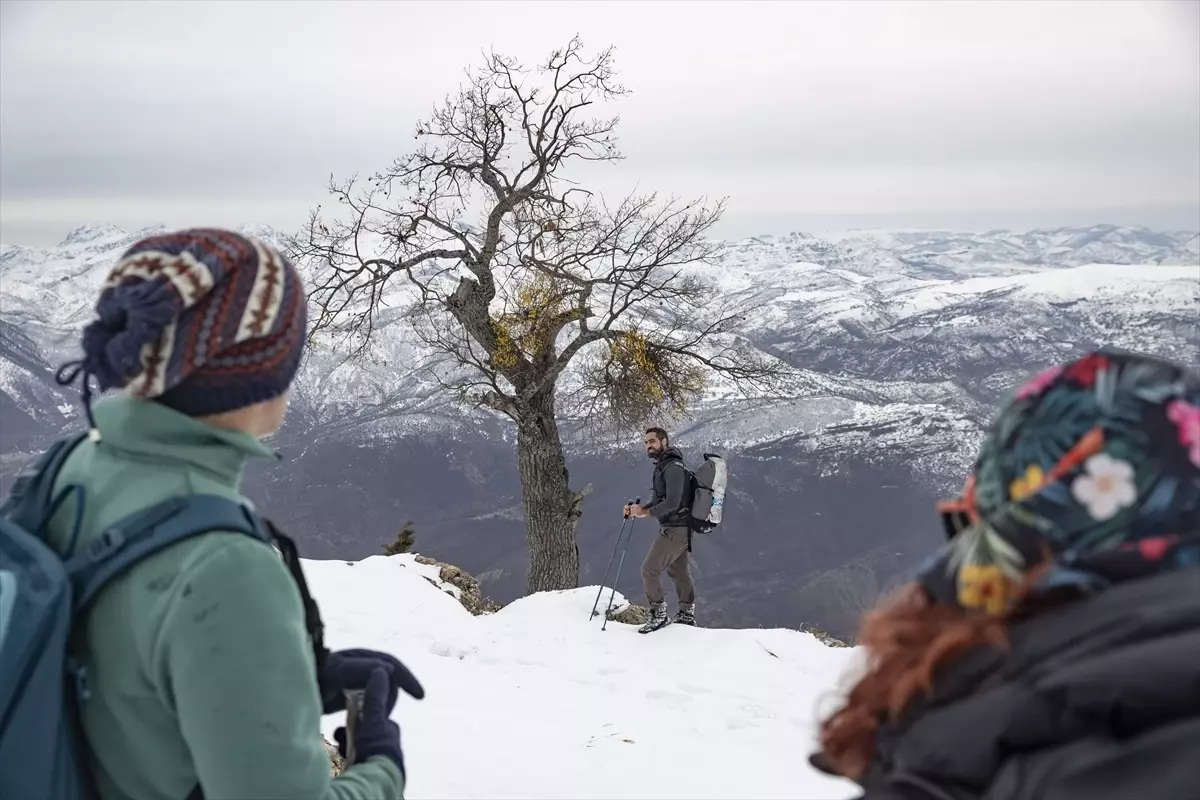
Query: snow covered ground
<point x="535" y="701"/>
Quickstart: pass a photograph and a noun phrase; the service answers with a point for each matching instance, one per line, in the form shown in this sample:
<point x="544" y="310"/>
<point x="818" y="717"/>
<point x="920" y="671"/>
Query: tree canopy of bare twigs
<point x="520" y="273"/>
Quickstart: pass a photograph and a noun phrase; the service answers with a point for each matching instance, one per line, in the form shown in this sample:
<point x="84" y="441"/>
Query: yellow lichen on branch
<point x="538" y="307"/>
<point x="641" y="381"/>
<point x="506" y="354"/>
<point x="634" y="361"/>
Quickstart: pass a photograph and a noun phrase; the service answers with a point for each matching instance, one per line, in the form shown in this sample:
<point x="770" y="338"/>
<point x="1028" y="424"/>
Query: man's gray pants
<point x="669" y="552"/>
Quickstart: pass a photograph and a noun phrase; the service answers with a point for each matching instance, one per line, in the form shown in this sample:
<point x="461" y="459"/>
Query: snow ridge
<point x="621" y="706"/>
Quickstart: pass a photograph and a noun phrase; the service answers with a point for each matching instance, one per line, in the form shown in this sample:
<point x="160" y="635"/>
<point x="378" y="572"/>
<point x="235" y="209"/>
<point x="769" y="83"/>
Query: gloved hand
<point x="377" y="734"/>
<point x="350" y="669"/>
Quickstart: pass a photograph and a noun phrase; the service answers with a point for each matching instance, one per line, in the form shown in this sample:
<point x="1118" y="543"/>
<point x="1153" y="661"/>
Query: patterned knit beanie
<point x="1093" y="469"/>
<point x="204" y="321"/>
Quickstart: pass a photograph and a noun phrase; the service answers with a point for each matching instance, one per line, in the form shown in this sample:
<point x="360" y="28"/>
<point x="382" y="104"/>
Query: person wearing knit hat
<point x="1049" y="648"/>
<point x="202" y="321"/>
<point x="206" y="675"/>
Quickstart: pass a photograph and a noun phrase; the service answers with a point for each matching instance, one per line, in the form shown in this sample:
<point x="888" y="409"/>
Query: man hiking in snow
<point x="672" y="546"/>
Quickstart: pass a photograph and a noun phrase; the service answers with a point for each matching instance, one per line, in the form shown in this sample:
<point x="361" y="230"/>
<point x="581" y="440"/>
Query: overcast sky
<point x="806" y="114"/>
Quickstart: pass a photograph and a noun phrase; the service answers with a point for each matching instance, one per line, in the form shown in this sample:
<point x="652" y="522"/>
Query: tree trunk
<point x="551" y="508"/>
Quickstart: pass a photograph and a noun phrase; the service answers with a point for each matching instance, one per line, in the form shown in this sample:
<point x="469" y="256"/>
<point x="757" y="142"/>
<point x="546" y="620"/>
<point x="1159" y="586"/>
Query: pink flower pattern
<point x="1187" y="418"/>
<point x="1039" y="383"/>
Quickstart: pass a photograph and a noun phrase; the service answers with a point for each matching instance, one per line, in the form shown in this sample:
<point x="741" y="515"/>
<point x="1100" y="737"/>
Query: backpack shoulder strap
<point x="32" y="490"/>
<point x="148" y="531"/>
<point x="312" y="614"/>
<point x="687" y="471"/>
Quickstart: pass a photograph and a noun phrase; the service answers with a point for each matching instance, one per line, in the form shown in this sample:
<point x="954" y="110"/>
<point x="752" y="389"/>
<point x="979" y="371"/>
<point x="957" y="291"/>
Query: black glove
<point x="376" y="734"/>
<point x="350" y="669"/>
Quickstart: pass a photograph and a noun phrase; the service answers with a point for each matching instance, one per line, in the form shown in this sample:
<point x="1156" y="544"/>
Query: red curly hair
<point x="908" y="639"/>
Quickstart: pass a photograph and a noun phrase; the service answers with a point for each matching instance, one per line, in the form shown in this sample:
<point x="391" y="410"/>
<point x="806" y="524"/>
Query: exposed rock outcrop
<point x="337" y="764"/>
<point x="823" y="637"/>
<point x="470" y="593"/>
<point x="630" y="614"/>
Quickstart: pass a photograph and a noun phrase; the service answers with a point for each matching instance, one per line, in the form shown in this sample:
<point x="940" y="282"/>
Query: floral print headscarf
<point x="1093" y="467"/>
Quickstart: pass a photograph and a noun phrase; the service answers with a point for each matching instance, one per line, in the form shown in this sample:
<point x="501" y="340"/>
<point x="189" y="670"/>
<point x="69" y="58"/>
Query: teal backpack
<point x="42" y="684"/>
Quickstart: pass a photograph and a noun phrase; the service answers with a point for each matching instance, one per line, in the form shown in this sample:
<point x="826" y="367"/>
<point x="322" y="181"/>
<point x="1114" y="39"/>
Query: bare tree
<point x="549" y="275"/>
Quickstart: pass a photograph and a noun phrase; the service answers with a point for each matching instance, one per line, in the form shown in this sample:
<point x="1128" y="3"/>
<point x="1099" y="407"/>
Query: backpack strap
<point x="31" y="492"/>
<point x="148" y="531"/>
<point x="312" y="615"/>
<point x="145" y="533"/>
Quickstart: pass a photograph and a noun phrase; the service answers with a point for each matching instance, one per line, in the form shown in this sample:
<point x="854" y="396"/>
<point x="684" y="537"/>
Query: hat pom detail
<point x="131" y="316"/>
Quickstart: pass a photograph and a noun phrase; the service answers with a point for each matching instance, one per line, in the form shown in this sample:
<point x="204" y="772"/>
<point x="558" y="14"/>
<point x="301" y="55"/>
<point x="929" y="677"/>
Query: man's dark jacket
<point x="1099" y="699"/>
<point x="672" y="501"/>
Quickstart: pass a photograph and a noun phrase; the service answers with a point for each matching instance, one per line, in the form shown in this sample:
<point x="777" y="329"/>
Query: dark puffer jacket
<point x="1098" y="699"/>
<point x="672" y="490"/>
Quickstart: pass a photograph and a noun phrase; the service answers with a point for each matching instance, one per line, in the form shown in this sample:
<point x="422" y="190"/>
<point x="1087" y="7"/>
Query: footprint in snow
<point x="452" y="650"/>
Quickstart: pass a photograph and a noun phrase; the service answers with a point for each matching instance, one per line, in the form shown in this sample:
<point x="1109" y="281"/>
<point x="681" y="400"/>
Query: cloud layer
<point x="230" y="112"/>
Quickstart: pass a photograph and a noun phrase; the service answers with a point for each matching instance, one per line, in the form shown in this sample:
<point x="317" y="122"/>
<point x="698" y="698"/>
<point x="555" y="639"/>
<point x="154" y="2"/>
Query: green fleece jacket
<point x="200" y="665"/>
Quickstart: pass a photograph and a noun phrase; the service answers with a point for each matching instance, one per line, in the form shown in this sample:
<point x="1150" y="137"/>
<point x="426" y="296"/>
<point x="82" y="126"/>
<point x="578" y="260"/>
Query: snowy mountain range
<point x="903" y="344"/>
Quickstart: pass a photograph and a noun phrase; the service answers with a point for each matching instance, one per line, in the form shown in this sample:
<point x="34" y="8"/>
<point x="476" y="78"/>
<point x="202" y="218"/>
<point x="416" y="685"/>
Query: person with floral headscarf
<point x="1051" y="649"/>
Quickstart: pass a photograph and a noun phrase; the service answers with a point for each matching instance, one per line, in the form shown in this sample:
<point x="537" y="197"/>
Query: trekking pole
<point x="608" y="569"/>
<point x="354" y="703"/>
<point x="620" y="564"/>
<point x="625" y="521"/>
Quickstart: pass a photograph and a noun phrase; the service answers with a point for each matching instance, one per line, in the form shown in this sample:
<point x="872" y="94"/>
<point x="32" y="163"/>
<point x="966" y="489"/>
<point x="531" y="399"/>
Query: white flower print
<point x="1106" y="488"/>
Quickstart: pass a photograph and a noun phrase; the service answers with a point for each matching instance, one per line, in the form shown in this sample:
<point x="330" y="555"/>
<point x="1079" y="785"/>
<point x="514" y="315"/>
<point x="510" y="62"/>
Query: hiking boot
<point x="658" y="619"/>
<point x="686" y="615"/>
